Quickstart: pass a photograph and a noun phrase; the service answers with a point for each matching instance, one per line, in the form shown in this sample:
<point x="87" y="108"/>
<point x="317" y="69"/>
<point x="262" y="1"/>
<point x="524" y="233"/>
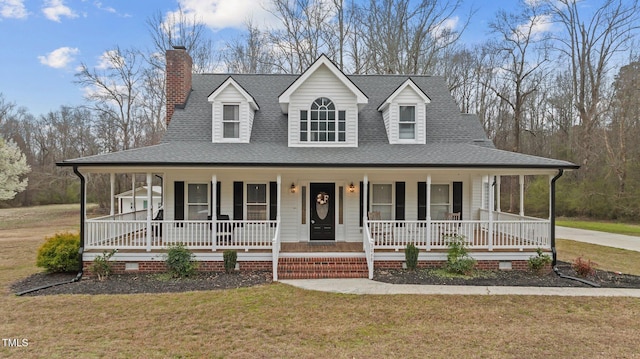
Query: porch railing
<point x="485" y="235"/>
<point x="106" y="233"/>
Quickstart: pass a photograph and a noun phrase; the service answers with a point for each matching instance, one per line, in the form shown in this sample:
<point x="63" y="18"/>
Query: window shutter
<point x="178" y="207"/>
<point x="273" y="200"/>
<point x="400" y="194"/>
<point x="238" y="200"/>
<point x="422" y="201"/>
<point x="457" y="198"/>
<point x="217" y="199"/>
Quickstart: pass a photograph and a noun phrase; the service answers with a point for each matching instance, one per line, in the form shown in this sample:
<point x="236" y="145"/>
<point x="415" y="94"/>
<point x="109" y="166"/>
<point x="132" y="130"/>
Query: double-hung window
<point x="382" y="200"/>
<point x="407" y="123"/>
<point x="231" y="121"/>
<point x="257" y="202"/>
<point x="439" y="200"/>
<point x="322" y="123"/>
<point x="197" y="201"/>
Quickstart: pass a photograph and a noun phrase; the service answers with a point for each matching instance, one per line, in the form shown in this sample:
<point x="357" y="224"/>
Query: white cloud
<point x="220" y="14"/>
<point x="13" y="9"/>
<point x="538" y="25"/>
<point x="55" y="9"/>
<point x="446" y="26"/>
<point x="59" y="58"/>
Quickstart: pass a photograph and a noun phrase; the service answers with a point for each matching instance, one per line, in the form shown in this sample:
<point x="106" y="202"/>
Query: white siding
<point x="391" y="116"/>
<point x="293" y="230"/>
<point x="231" y="96"/>
<point x="323" y="83"/>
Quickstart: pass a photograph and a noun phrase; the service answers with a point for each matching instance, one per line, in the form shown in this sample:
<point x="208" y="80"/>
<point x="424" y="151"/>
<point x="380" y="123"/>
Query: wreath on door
<point x="322" y="205"/>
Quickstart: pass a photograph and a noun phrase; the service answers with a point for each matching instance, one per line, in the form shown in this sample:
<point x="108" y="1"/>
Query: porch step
<point x="315" y="268"/>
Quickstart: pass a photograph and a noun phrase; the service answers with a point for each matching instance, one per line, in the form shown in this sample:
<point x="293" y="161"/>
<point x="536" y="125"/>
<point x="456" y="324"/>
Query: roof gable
<point x="409" y="83"/>
<point x="231" y="82"/>
<point x="323" y="60"/>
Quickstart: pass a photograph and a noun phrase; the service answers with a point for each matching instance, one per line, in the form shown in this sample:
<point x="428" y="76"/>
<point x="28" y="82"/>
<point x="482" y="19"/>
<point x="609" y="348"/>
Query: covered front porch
<point x="409" y="215"/>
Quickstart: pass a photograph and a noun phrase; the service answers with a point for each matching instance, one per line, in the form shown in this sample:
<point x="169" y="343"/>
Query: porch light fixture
<point x="352" y="188"/>
<point x="293" y="187"/>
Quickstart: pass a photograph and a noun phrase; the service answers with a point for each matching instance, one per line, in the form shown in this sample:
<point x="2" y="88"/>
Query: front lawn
<point x="609" y="227"/>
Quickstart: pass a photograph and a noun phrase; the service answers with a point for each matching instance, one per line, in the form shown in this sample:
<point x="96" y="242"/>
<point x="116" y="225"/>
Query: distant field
<point x="609" y="227"/>
<point x="278" y="321"/>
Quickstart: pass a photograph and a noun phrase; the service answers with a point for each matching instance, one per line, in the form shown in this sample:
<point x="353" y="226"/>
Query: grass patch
<point x="609" y="227"/>
<point x="608" y="258"/>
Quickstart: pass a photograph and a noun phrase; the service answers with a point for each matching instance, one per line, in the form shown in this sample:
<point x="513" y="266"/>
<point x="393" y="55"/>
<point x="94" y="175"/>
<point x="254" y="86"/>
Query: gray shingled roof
<point x="453" y="139"/>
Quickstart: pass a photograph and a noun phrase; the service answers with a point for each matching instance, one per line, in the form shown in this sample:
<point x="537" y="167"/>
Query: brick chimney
<point x="178" y="78"/>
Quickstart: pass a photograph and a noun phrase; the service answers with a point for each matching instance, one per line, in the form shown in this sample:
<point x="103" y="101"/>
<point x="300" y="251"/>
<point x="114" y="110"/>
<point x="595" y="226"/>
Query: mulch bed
<point x="154" y="283"/>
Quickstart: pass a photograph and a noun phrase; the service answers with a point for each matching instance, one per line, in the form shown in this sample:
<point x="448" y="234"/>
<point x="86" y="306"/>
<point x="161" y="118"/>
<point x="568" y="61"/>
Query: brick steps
<point x="313" y="268"/>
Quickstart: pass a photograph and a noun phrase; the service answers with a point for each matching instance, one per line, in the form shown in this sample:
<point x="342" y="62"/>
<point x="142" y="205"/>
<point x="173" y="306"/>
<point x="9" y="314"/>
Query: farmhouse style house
<point x="320" y="174"/>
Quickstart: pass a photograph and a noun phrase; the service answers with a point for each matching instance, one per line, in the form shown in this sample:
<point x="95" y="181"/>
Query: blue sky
<point x="44" y="41"/>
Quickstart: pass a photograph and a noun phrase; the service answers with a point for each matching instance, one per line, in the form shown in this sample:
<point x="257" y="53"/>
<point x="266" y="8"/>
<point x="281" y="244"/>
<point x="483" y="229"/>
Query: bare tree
<point x="250" y="54"/>
<point x="590" y="48"/>
<point x="112" y="88"/>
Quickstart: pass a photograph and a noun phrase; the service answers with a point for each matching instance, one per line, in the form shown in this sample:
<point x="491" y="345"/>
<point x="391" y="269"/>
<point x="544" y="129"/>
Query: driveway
<point x="601" y="238"/>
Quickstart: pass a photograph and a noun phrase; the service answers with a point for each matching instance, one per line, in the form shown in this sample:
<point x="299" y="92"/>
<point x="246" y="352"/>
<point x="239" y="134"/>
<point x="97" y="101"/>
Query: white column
<point x="428" y="212"/>
<point x="133" y="191"/>
<point x="521" y="180"/>
<point x="112" y="180"/>
<point x="491" y="209"/>
<point x="214" y="212"/>
<point x="498" y="194"/>
<point x="279" y="191"/>
<point x="365" y="209"/>
<point x="149" y="213"/>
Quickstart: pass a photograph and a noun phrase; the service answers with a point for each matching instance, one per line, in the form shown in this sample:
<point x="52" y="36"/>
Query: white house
<point x="320" y="174"/>
<point x="133" y="201"/>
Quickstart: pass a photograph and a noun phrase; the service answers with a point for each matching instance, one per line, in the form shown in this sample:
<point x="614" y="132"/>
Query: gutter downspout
<point x="553" y="235"/>
<point x="81" y="249"/>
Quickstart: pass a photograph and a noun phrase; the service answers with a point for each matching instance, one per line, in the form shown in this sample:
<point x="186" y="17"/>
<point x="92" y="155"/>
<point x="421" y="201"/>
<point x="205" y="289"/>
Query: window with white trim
<point x="440" y="200"/>
<point x="197" y="201"/>
<point x="407" y="123"/>
<point x="322" y="123"/>
<point x="231" y="121"/>
<point x="382" y="200"/>
<point x="257" y="202"/>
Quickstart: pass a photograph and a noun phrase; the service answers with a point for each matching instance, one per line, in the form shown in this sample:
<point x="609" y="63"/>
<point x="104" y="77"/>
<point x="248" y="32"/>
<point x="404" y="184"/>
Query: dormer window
<point x="231" y="121"/>
<point x="407" y="123"/>
<point x="320" y="123"/>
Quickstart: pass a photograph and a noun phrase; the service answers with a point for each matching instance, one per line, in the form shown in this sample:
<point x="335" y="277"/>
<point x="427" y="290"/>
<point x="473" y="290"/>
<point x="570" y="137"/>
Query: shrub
<point x="230" y="258"/>
<point x="60" y="253"/>
<point x="458" y="259"/>
<point x="101" y="265"/>
<point x="411" y="256"/>
<point x="537" y="263"/>
<point x="180" y="261"/>
<point x="584" y="268"/>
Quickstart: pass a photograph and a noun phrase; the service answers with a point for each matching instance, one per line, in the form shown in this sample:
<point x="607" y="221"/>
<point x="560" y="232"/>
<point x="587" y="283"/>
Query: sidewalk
<point x="600" y="238"/>
<point x="367" y="286"/>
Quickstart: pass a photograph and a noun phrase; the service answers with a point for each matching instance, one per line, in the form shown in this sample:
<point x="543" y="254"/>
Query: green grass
<point x="609" y="227"/>
<point x="608" y="258"/>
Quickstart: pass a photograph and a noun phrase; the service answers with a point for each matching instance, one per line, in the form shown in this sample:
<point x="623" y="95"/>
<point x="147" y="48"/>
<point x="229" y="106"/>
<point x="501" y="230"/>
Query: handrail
<point x="275" y="250"/>
<point x="369" y="247"/>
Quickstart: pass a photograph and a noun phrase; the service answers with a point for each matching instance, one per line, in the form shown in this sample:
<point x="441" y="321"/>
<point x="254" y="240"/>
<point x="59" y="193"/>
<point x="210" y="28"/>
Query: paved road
<point x="600" y="238"/>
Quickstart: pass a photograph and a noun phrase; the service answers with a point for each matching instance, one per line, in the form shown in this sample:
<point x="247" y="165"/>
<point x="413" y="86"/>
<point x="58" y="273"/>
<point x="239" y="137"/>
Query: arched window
<point x="319" y="123"/>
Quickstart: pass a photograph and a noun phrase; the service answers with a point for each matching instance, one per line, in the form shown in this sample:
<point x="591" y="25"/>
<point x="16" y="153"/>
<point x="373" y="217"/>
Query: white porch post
<point x="498" y="183"/>
<point x="112" y="180"/>
<point x="428" y="212"/>
<point x="491" y="209"/>
<point x="365" y="209"/>
<point x="275" y="249"/>
<point x="214" y="212"/>
<point x="149" y="213"/>
<point x="521" y="180"/>
<point x="133" y="192"/>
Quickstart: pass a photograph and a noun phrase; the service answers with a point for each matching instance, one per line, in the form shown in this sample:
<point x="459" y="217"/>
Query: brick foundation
<point x="159" y="266"/>
<point x="305" y="268"/>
